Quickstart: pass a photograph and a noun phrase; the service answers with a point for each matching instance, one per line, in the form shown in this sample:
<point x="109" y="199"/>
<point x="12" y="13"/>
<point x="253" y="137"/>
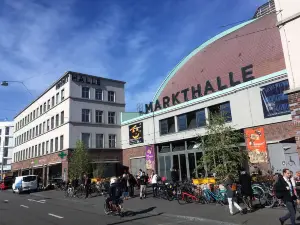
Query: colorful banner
<point x="150" y="157"/>
<point x="256" y="144"/>
<point x="136" y="135"/>
<point x="274" y="101"/>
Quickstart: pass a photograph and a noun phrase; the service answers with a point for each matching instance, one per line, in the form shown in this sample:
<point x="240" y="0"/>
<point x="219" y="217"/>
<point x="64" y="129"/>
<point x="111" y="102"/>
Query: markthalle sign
<point x="197" y="91"/>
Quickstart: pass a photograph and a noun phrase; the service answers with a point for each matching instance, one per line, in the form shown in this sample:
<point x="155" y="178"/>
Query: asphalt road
<point x="28" y="209"/>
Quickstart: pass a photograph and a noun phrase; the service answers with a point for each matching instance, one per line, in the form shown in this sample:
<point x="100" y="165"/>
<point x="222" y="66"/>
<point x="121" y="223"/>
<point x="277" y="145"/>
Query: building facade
<point x="240" y="72"/>
<point x="6" y="146"/>
<point x="76" y="107"/>
<point x="288" y="23"/>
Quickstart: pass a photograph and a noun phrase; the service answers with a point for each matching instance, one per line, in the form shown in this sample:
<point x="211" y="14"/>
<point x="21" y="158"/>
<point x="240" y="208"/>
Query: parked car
<point x="6" y="183"/>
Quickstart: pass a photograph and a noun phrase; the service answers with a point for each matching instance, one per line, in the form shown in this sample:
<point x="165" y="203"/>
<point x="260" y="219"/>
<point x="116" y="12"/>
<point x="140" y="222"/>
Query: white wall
<point x="246" y="110"/>
<point x="10" y="145"/>
<point x="290" y="36"/>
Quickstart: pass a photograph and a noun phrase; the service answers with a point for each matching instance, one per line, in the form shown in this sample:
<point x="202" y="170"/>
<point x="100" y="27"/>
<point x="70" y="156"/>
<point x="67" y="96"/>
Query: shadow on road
<point x="134" y="213"/>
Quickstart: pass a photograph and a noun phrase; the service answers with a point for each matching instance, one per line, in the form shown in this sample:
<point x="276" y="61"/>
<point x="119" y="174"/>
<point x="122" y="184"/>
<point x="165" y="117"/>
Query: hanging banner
<point x="136" y="135"/>
<point x="256" y="144"/>
<point x="150" y="157"/>
<point x="274" y="101"/>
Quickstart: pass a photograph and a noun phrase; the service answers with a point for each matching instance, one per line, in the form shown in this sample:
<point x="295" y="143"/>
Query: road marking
<point x="59" y="217"/>
<point x="24" y="206"/>
<point x="40" y="201"/>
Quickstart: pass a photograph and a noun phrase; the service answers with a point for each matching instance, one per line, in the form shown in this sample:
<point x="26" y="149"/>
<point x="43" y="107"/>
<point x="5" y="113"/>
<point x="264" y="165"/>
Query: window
<point x="48" y="127"/>
<point x="61" y="142"/>
<point x="200" y="118"/>
<point x="35" y="151"/>
<point x="43" y="148"/>
<point x="167" y="126"/>
<point x="47" y="147"/>
<point x="41" y="109"/>
<point x="45" y="107"/>
<point x="52" y="122"/>
<point x="111" y="96"/>
<point x="44" y="127"/>
<point x="25" y="120"/>
<point x="34" y="114"/>
<point x="57" y="98"/>
<point x="32" y="151"/>
<point x="99" y="114"/>
<point x="181" y="120"/>
<point x="40" y="129"/>
<point x="99" y="141"/>
<point x="5" y="152"/>
<point x="62" y="94"/>
<point x="52" y="105"/>
<point x="56" y="144"/>
<point x="48" y="104"/>
<point x="39" y="150"/>
<point x="62" y="117"/>
<point x="57" y="120"/>
<point x="112" y="141"/>
<point x="221" y="109"/>
<point x="36" y="131"/>
<point x="111" y="117"/>
<point x="85" y="138"/>
<point x="28" y="138"/>
<point x="33" y="132"/>
<point x="99" y="94"/>
<point x="85" y="115"/>
<point x="6" y="141"/>
<point x="29" y="152"/>
<point x="1" y="131"/>
<point x="30" y="134"/>
<point x="37" y="112"/>
<point x="85" y="92"/>
<point x="51" y="145"/>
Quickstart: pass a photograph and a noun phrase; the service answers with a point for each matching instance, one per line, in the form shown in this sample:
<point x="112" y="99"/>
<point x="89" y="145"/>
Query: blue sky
<point x="137" y="41"/>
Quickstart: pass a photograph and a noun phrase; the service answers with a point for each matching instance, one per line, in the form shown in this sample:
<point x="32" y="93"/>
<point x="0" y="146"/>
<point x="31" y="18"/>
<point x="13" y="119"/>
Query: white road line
<point x="59" y="217"/>
<point x="40" y="201"/>
<point x="24" y="206"/>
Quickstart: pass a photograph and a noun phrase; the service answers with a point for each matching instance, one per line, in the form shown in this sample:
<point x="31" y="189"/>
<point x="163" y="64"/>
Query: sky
<point x="136" y="41"/>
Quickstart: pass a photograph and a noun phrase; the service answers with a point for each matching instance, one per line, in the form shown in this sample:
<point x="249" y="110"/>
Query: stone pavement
<point x="198" y="212"/>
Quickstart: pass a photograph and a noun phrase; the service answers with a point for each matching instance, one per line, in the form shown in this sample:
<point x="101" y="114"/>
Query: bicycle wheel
<point x="80" y="192"/>
<point x="106" y="209"/>
<point x="269" y="200"/>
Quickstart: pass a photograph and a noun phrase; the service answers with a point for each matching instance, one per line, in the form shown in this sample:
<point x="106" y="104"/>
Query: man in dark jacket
<point x="246" y="188"/>
<point x="285" y="190"/>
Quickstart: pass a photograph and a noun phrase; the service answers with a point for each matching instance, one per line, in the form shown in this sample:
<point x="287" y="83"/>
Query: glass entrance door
<point x="183" y="170"/>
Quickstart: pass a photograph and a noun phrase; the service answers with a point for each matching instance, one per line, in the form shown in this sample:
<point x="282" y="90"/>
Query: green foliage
<point x="78" y="161"/>
<point x="222" y="153"/>
<point x="98" y="170"/>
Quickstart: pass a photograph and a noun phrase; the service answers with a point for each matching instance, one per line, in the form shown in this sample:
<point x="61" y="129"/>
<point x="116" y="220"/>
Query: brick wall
<point x="294" y="101"/>
<point x="279" y="131"/>
<point x="132" y="152"/>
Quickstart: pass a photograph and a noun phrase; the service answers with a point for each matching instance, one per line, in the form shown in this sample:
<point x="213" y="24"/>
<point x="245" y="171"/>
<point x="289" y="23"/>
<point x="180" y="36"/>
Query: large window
<point x="61" y="142"/>
<point x="57" y="120"/>
<point x="200" y="118"/>
<point x="56" y="144"/>
<point x="111" y="117"/>
<point x="41" y="109"/>
<point x="45" y="108"/>
<point x="48" y="127"/>
<point x="51" y="145"/>
<point x="57" y="98"/>
<point x="85" y="92"/>
<point x="167" y="126"/>
<point x="62" y="95"/>
<point x="62" y="117"/>
<point x="52" y="122"/>
<point x="86" y="139"/>
<point x="221" y="109"/>
<point x="85" y="115"/>
<point x="111" y="96"/>
<point x="191" y="120"/>
<point x="48" y="103"/>
<point x="182" y="125"/>
<point x="99" y="141"/>
<point x="112" y="141"/>
<point x="6" y="130"/>
<point x="47" y="147"/>
<point x="52" y="105"/>
<point x="40" y="129"/>
<point x="40" y="146"/>
<point x="99" y="116"/>
<point x="99" y="94"/>
<point x="43" y="148"/>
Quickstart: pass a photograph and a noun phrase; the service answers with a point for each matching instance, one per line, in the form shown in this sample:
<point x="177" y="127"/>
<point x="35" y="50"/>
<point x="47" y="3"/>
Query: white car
<point x="25" y="183"/>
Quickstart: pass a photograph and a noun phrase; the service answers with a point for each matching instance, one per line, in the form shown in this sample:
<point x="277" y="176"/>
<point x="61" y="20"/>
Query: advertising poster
<point x="256" y="144"/>
<point x="274" y="101"/>
<point x="150" y="157"/>
<point x="136" y="135"/>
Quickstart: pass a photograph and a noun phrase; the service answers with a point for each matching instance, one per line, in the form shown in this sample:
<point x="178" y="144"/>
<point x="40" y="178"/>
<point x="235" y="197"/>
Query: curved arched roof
<point x="255" y="42"/>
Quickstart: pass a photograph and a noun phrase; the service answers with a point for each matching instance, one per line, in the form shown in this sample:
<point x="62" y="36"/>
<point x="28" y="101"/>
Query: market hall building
<point x="75" y="107"/>
<point x="242" y="72"/>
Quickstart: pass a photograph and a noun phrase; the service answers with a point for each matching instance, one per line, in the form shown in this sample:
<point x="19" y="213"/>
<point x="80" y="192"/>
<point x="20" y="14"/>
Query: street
<point x="31" y="209"/>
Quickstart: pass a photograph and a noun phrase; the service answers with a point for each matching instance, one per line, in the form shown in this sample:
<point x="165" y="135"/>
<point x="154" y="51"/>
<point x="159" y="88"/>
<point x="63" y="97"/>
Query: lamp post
<point x="6" y="83"/>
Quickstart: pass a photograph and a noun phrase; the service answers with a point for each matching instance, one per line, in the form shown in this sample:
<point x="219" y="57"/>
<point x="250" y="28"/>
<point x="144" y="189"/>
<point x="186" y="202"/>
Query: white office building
<point x="6" y="146"/>
<point x="76" y="107"/>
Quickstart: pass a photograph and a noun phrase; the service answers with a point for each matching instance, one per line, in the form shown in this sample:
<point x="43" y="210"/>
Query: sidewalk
<point x="196" y="212"/>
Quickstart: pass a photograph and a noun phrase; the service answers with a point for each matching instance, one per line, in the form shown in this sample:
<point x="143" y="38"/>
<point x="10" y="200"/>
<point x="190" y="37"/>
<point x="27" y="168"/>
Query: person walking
<point x="132" y="183"/>
<point x="231" y="194"/>
<point x="246" y="188"/>
<point x="143" y="183"/>
<point x="87" y="182"/>
<point x="284" y="189"/>
<point x="154" y="183"/>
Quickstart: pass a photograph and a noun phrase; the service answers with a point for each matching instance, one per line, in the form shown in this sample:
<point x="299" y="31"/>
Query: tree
<point x="78" y="161"/>
<point x="98" y="170"/>
<point x="222" y="153"/>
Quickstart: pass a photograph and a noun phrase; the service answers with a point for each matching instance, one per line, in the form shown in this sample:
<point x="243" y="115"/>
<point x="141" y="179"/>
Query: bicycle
<point x="190" y="194"/>
<point x="219" y="196"/>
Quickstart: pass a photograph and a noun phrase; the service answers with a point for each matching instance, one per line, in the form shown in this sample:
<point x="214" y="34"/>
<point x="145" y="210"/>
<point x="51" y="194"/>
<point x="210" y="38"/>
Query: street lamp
<point x="6" y="83"/>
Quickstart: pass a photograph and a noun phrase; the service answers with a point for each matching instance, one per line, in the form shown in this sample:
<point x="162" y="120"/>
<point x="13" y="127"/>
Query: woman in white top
<point x="154" y="184"/>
